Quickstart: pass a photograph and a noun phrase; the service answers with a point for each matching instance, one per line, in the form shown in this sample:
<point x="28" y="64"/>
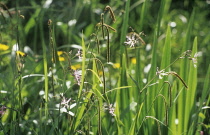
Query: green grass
<point x="161" y="87"/>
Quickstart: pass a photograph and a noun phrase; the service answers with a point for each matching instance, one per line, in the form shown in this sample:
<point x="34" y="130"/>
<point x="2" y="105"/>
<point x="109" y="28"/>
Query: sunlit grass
<point x="107" y="81"/>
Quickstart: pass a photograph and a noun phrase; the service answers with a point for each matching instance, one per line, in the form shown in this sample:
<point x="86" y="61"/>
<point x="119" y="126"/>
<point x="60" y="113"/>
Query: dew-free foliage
<point x="104" y="67"/>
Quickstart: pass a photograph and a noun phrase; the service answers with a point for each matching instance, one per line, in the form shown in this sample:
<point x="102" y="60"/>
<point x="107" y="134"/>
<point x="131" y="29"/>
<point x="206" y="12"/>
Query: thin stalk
<point x="44" y="62"/>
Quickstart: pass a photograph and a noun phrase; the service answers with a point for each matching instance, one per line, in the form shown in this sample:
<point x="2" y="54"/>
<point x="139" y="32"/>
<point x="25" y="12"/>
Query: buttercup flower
<point x="116" y="65"/>
<point x="60" y="57"/>
<point x="4" y="47"/>
<point x="75" y="67"/>
<point x="133" y="60"/>
<point x="21" y="53"/>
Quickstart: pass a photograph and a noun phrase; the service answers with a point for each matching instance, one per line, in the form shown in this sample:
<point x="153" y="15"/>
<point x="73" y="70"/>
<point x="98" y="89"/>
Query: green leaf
<point x="184" y="70"/>
<point x="83" y="67"/>
<point x="192" y="84"/>
<point x="133" y="125"/>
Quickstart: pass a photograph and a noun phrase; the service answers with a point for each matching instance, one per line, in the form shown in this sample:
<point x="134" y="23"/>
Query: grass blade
<point x="83" y="67"/>
<point x="190" y="93"/>
<point x="166" y="59"/>
<point x="184" y="74"/>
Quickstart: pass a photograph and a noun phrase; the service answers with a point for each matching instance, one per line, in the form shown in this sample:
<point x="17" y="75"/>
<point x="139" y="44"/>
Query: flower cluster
<point x="65" y="106"/>
<point x="110" y="109"/>
<point x="188" y="55"/>
<point x="79" y="54"/>
<point x="77" y="75"/>
<point x="2" y="110"/>
<point x="194" y="59"/>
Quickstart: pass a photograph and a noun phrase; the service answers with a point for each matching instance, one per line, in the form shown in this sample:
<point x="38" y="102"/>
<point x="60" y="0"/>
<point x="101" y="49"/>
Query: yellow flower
<point x="100" y="72"/>
<point x="75" y="67"/>
<point x="21" y="53"/>
<point x="60" y="58"/>
<point x="4" y="47"/>
<point x="59" y="53"/>
<point x="116" y="65"/>
<point x="133" y="60"/>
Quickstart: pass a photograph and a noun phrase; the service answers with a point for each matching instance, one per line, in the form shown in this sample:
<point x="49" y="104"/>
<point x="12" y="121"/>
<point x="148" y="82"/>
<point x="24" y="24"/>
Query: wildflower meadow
<point x="93" y="67"/>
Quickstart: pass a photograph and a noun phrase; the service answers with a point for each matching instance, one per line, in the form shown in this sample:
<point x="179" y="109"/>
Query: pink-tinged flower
<point x="190" y="57"/>
<point x="65" y="102"/>
<point x="2" y="110"/>
<point x="65" y="106"/>
<point x="111" y="109"/>
<point x="194" y="60"/>
<point x="77" y="75"/>
<point x="133" y="38"/>
<point x="79" y="54"/>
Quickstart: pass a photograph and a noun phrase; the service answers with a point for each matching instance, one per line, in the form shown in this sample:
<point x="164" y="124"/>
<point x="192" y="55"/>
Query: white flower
<point x="194" y="60"/>
<point x="65" y="102"/>
<point x="66" y="110"/>
<point x="77" y="75"/>
<point x="47" y="3"/>
<point x="72" y="22"/>
<point x="161" y="73"/>
<point x="64" y="106"/>
<point x="79" y="54"/>
<point x="131" y="40"/>
<point x="111" y="109"/>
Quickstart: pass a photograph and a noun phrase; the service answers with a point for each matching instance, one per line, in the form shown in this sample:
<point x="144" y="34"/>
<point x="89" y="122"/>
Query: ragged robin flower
<point x="161" y="73"/>
<point x="2" y="110"/>
<point x="77" y="75"/>
<point x="65" y="105"/>
<point x="194" y="59"/>
<point x="111" y="109"/>
<point x="65" y="102"/>
<point x="187" y="54"/>
<point x="133" y="38"/>
<point x="79" y="54"/>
